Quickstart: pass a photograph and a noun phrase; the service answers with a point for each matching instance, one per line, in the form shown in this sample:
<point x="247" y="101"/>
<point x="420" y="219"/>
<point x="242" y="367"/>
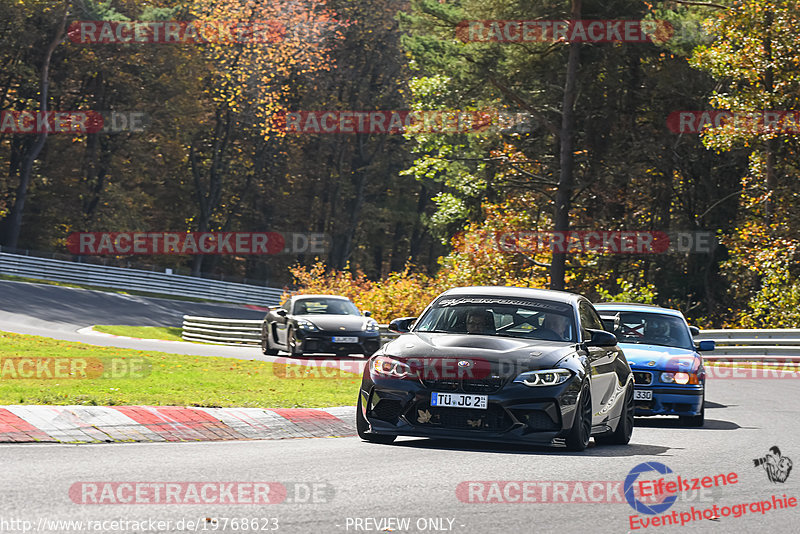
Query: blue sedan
<point x="666" y="363"/>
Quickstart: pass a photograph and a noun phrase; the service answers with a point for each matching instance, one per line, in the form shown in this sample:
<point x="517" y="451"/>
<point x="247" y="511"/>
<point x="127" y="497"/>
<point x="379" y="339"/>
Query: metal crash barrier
<point x="137" y="280"/>
<point x="236" y="331"/>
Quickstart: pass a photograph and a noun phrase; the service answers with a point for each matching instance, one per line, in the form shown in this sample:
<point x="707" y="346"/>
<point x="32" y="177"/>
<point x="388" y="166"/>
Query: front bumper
<point x="515" y="412"/>
<point x="312" y="342"/>
<point x="668" y="399"/>
<point x="671" y="402"/>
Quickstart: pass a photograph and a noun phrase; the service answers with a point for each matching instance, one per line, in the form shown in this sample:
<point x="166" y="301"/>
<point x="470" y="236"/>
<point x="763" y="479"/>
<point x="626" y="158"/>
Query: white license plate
<point x="457" y="400"/>
<point x="345" y="339"/>
<point x="642" y="394"/>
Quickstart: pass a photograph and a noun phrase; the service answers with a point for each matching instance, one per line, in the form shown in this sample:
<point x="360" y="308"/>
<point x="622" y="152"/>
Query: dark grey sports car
<point x="319" y="323"/>
<point x="500" y="364"/>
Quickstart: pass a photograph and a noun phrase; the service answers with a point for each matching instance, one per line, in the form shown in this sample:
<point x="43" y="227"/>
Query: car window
<point x="589" y="318"/>
<point x="649" y="328"/>
<point x="323" y="306"/>
<point x="498" y="316"/>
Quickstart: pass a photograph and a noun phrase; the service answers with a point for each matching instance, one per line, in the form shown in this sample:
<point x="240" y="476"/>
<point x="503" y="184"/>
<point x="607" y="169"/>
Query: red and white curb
<point x="100" y="424"/>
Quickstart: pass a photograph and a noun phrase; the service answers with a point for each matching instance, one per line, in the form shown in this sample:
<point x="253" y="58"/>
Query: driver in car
<point x="480" y="322"/>
<point x="657" y="331"/>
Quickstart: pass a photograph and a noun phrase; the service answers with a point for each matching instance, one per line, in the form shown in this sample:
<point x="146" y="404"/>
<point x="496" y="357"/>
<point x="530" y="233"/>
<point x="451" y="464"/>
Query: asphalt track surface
<point x="366" y="484"/>
<point x="60" y="312"/>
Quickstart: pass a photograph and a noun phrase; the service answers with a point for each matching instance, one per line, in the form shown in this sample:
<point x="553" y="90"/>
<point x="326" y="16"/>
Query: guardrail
<point x="136" y="279"/>
<point x="742" y="344"/>
<point x="731" y="344"/>
<point x="222" y="331"/>
<point x="236" y="331"/>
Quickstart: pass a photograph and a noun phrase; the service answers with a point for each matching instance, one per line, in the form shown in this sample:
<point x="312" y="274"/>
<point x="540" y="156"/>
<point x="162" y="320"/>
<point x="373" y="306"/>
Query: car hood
<point x="665" y="358"/>
<point x="335" y="322"/>
<point x="512" y="354"/>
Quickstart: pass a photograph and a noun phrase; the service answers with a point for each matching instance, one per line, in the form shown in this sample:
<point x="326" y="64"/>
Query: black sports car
<point x="319" y="323"/>
<point x="499" y="364"/>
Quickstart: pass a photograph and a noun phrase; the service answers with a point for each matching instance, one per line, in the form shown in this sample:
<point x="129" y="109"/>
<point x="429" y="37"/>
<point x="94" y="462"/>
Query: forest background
<point x="408" y="215"/>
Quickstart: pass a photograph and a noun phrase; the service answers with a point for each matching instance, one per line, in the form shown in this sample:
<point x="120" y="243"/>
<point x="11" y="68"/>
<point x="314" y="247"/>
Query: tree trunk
<point x="566" y="155"/>
<point x="14" y="222"/>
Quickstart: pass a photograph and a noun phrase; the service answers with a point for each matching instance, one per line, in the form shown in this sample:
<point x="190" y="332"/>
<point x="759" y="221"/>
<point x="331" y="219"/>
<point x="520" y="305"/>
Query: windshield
<point x="499" y="316"/>
<point x="325" y="307"/>
<point x="648" y="328"/>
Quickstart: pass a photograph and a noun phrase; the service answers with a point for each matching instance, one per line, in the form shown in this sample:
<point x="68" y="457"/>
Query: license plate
<point x="457" y="400"/>
<point x="345" y="339"/>
<point x="642" y="394"/>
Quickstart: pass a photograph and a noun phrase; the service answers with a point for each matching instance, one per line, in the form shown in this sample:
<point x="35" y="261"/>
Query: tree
<point x="754" y="57"/>
<point x="12" y="224"/>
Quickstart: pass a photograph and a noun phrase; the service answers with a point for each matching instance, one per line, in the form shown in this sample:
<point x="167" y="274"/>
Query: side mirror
<point x="366" y="313"/>
<point x="694" y="330"/>
<point x="402" y="325"/>
<point x="281" y="312"/>
<point x="706" y="345"/>
<point x="601" y="338"/>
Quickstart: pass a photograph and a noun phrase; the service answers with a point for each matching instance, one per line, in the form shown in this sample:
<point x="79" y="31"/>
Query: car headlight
<point x="680" y="378"/>
<point x="386" y="366"/>
<point x="371" y="325"/>
<point x="547" y="377"/>
<point x="308" y="326"/>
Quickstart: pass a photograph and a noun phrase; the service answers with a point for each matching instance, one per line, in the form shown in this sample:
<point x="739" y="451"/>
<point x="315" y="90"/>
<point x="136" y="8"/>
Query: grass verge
<point x="169" y="333"/>
<point x="75" y="373"/>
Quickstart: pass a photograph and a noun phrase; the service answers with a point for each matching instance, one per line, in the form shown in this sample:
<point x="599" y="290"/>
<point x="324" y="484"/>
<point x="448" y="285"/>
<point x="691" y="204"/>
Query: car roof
<point x="518" y="292"/>
<point x="318" y="296"/>
<point x="636" y="307"/>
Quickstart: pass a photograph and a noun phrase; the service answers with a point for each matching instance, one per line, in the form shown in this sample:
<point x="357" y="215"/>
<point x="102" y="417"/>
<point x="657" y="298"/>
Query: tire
<point x="265" y="348"/>
<point x="362" y="426"/>
<point x="695" y="420"/>
<point x="581" y="431"/>
<point x="624" y="430"/>
<point x="291" y="344"/>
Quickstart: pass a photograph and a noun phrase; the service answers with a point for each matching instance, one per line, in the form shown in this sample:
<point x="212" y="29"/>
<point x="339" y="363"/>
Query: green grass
<point x="104" y="289"/>
<point x="168" y="379"/>
<point x="170" y="333"/>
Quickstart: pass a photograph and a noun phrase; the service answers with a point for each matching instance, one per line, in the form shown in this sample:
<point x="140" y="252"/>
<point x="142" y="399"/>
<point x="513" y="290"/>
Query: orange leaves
<point x="251" y="77"/>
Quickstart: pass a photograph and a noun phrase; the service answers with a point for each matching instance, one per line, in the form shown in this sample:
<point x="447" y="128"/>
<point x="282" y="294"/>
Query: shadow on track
<point x="674" y="422"/>
<point x="620" y="451"/>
